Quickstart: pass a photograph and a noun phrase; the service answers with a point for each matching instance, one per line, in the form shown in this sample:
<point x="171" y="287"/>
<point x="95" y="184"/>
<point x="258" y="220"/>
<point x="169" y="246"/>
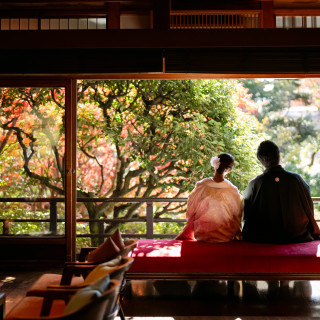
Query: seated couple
<point x="276" y="206"/>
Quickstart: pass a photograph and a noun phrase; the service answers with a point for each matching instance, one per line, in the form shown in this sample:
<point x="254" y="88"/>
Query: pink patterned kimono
<point x="214" y="212"/>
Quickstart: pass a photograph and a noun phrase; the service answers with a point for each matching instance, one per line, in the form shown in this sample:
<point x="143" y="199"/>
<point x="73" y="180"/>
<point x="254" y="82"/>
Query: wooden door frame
<point x="69" y="82"/>
<point x="70" y="86"/>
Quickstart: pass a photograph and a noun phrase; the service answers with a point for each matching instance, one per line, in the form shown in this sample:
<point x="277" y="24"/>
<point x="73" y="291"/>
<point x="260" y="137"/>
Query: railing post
<point x="161" y="14"/>
<point x="53" y="216"/>
<point x="113" y="21"/>
<point x="268" y="18"/>
<point x="6" y="227"/>
<point x="101" y="232"/>
<point x="150" y="220"/>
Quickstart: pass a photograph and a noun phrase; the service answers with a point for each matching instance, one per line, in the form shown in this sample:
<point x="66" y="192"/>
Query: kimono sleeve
<point x="193" y="201"/>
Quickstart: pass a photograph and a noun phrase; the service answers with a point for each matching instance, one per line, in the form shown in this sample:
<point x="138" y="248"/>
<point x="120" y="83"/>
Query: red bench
<point x="236" y="260"/>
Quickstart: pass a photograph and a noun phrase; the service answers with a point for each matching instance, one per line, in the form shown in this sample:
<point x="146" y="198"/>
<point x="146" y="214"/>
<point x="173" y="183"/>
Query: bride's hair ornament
<point x="215" y="163"/>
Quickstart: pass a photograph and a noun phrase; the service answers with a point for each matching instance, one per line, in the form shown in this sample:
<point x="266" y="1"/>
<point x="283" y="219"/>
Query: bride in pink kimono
<point x="215" y="206"/>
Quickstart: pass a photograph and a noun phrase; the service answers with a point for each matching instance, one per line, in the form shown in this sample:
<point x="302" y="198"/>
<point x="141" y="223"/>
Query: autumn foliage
<point x="144" y="138"/>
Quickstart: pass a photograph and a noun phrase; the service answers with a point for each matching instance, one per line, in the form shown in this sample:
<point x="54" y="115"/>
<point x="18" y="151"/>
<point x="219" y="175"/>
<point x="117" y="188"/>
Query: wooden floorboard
<point x="210" y="300"/>
<point x="167" y="300"/>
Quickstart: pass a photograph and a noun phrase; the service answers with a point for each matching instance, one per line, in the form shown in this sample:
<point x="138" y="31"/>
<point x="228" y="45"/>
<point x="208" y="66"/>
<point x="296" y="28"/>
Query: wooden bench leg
<point x="231" y="289"/>
<point x="121" y="313"/>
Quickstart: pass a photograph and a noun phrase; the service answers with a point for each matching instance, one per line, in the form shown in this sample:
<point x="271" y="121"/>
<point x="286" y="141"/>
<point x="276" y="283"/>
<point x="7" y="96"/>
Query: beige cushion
<point x="101" y="284"/>
<point x="112" y="263"/>
<point x="85" y="295"/>
<point x="101" y="271"/>
<point x="80" y="299"/>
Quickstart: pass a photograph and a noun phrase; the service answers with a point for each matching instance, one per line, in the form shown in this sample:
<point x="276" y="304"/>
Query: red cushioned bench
<point x="236" y="260"/>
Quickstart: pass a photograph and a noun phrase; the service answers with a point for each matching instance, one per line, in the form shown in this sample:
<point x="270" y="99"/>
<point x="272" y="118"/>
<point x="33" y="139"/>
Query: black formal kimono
<point x="278" y="209"/>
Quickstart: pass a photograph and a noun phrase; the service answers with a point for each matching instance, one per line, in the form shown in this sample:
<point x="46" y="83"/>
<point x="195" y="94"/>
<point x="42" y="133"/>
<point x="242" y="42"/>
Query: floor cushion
<point x="163" y="256"/>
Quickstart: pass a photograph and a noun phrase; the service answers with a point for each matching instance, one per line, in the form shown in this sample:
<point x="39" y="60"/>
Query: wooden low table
<point x="235" y="260"/>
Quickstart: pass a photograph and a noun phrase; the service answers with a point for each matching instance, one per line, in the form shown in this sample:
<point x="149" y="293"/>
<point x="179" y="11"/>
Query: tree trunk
<point x="94" y="226"/>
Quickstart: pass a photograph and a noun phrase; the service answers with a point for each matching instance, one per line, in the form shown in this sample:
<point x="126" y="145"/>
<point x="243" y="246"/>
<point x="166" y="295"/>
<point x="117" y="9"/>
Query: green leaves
<point x="289" y="116"/>
<point x="161" y="124"/>
<point x="136" y="138"/>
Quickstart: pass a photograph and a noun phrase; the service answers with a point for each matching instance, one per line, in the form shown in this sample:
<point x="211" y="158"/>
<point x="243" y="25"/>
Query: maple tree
<point x="31" y="120"/>
<point x="136" y="138"/>
<point x="162" y="135"/>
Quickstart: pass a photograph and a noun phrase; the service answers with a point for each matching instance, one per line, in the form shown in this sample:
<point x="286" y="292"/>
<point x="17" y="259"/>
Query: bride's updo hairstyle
<point x="222" y="162"/>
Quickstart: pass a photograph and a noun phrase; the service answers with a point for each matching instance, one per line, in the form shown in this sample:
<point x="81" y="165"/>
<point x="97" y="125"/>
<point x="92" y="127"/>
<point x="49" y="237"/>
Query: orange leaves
<point x="89" y="175"/>
<point x="27" y="141"/>
<point x="243" y="99"/>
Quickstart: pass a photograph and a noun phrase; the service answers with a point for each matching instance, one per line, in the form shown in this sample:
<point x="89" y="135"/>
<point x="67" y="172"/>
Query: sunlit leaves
<point x="168" y="128"/>
<point x="290" y="116"/>
<point x="135" y="138"/>
<point x="32" y="132"/>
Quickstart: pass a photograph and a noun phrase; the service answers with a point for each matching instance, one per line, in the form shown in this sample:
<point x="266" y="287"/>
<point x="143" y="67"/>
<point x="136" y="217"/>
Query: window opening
<point x="32" y="161"/>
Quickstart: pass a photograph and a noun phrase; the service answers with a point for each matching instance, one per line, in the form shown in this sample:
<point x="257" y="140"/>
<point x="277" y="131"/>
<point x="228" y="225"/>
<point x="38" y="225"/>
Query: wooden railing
<point x="53" y="220"/>
<point x="179" y="19"/>
<point x="148" y="219"/>
<point x="54" y="23"/>
<point x="208" y="19"/>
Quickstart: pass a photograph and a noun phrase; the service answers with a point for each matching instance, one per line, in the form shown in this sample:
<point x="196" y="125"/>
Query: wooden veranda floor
<point x="155" y="300"/>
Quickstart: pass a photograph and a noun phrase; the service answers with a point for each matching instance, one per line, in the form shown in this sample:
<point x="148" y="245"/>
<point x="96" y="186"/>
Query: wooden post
<point x="114" y="15"/>
<point x="268" y="17"/>
<point x="101" y="232"/>
<point x="53" y="217"/>
<point x="6" y="227"/>
<point x="150" y="220"/>
<point x="161" y="14"/>
<point x="70" y="165"/>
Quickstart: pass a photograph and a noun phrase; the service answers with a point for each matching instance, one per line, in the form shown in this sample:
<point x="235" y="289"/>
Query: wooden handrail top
<point x="207" y="12"/>
<point x="297" y="12"/>
<point x="130" y="200"/>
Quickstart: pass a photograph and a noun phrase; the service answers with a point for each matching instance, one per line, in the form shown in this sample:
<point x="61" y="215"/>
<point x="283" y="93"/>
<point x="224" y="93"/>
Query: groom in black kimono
<point x="277" y="204"/>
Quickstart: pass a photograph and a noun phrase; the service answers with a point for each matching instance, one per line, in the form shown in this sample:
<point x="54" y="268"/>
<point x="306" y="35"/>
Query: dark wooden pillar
<point x="70" y="167"/>
<point x="113" y="15"/>
<point x="268" y="17"/>
<point x="161" y="14"/>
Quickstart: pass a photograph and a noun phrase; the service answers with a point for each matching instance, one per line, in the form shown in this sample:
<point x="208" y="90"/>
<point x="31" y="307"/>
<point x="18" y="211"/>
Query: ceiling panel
<point x="297" y="4"/>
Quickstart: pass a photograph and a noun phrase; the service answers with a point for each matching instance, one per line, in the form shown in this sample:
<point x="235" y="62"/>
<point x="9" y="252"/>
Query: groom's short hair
<point x="268" y="154"/>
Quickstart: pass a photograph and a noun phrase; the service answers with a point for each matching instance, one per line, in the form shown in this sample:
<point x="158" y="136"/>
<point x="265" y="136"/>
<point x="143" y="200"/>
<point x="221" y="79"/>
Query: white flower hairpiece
<point x="215" y="162"/>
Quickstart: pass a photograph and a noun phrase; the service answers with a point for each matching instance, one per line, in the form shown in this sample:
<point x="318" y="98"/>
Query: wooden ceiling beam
<point x="239" y="38"/>
<point x="59" y="2"/>
<point x="49" y="80"/>
<point x="43" y="14"/>
<point x="127" y="61"/>
<point x="45" y="7"/>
